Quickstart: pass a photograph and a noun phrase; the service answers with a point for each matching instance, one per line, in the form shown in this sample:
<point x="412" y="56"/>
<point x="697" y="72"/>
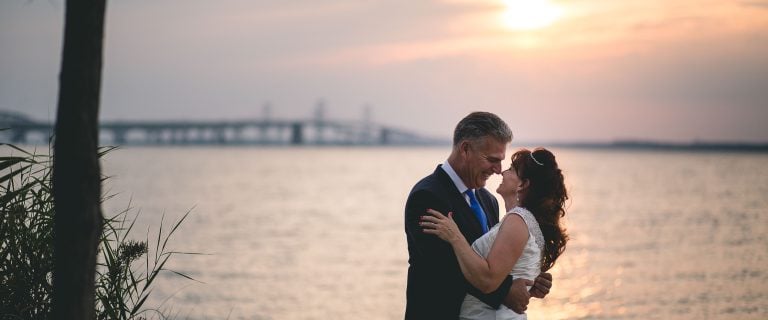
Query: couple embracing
<point x="464" y="261"/>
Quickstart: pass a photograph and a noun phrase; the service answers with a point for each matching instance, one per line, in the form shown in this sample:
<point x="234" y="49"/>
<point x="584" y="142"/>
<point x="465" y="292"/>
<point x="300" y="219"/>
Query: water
<point x="304" y="233"/>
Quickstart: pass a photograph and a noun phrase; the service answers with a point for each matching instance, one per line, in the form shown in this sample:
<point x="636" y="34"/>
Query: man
<point x="436" y="286"/>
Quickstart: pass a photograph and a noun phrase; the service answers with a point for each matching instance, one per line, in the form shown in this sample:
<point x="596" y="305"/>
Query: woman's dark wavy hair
<point x="546" y="198"/>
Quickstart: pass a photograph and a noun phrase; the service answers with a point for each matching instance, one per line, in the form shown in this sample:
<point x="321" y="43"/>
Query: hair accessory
<point x="537" y="161"/>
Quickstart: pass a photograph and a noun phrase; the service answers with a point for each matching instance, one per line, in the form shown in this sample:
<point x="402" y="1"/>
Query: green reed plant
<point x="121" y="289"/>
<point x="26" y="247"/>
<point x="26" y="236"/>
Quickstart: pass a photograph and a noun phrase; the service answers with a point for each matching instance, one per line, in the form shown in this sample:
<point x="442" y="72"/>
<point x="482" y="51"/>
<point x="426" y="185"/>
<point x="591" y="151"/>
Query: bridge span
<point x="17" y="128"/>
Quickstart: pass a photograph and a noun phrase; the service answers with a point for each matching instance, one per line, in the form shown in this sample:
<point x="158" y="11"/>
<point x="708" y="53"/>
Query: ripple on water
<point x="317" y="233"/>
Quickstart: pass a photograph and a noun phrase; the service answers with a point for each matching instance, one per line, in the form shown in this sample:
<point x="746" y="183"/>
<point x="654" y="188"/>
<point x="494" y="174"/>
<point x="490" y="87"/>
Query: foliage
<point x="26" y="236"/>
<point x="26" y="248"/>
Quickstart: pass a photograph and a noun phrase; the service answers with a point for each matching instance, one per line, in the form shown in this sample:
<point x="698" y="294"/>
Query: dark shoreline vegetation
<point x="126" y="268"/>
<point x="624" y="145"/>
<point x="665" y="146"/>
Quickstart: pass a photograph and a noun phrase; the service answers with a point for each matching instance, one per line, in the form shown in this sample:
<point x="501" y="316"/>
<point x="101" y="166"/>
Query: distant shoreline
<point x="651" y="145"/>
<point x="616" y="145"/>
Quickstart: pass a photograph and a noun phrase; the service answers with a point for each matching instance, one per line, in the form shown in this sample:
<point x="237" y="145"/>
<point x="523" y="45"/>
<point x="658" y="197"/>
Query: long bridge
<point x="18" y="128"/>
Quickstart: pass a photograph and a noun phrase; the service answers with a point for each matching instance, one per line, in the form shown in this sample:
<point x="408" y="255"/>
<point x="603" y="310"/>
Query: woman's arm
<point x="485" y="275"/>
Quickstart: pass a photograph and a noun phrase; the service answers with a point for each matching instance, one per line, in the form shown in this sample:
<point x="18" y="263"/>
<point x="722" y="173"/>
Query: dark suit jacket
<point x="436" y="286"/>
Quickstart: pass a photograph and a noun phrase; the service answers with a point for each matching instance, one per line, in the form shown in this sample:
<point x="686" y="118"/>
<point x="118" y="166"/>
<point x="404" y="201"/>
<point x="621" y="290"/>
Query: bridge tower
<point x="319" y="121"/>
<point x="365" y="134"/>
<point x="266" y="117"/>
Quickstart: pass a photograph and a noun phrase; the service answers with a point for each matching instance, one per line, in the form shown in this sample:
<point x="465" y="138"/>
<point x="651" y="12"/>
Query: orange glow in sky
<point x="599" y="70"/>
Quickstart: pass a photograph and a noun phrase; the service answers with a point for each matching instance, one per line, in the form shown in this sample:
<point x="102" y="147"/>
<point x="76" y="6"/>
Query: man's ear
<point x="464" y="147"/>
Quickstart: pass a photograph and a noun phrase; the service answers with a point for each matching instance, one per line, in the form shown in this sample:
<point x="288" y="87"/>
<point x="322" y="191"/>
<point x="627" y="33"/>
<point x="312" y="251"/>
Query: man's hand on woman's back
<point x="542" y="285"/>
<point x="518" y="296"/>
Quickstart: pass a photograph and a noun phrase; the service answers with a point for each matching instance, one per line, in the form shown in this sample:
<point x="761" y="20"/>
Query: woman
<point x="527" y="241"/>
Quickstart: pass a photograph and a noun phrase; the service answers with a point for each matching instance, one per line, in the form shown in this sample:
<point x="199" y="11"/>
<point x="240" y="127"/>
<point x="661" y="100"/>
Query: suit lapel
<point x="462" y="212"/>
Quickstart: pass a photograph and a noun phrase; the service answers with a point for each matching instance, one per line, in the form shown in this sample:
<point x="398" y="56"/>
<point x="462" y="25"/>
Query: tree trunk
<point x="76" y="170"/>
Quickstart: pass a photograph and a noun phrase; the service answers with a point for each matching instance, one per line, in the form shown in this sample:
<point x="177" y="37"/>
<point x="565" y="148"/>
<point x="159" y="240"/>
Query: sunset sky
<point x="581" y="70"/>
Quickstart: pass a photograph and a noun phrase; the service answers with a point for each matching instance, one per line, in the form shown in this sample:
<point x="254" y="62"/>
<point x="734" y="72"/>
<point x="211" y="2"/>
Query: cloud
<point x="606" y="66"/>
<point x="759" y="4"/>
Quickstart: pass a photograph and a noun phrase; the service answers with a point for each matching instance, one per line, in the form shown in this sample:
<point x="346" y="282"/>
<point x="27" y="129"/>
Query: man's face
<point x="483" y="159"/>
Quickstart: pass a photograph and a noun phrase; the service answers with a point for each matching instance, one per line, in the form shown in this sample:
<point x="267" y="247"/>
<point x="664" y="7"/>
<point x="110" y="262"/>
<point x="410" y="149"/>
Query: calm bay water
<point x="304" y="233"/>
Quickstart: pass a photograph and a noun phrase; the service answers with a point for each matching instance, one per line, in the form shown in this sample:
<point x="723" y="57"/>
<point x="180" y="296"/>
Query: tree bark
<point x="76" y="169"/>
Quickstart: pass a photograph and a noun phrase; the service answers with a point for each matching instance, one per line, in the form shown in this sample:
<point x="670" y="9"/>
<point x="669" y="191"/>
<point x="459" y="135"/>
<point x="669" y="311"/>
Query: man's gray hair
<point x="478" y="125"/>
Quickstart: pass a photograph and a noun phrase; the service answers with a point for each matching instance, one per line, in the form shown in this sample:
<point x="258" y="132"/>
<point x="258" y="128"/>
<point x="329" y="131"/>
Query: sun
<point x="530" y="14"/>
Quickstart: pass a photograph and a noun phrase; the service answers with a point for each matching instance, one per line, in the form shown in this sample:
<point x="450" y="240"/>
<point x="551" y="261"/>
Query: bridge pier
<point x="297" y="134"/>
<point x="178" y="136"/>
<point x="384" y="136"/>
<point x="219" y="136"/>
<point x="319" y="133"/>
<point x="18" y="135"/>
<point x="118" y="136"/>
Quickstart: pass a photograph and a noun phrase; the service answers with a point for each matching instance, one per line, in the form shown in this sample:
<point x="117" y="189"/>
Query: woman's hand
<point x="444" y="227"/>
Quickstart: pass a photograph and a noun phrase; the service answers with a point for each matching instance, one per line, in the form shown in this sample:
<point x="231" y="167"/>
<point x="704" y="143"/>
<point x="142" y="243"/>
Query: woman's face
<point x="510" y="183"/>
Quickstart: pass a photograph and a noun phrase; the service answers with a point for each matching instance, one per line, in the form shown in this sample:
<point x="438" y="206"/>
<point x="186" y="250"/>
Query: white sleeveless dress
<point x="528" y="266"/>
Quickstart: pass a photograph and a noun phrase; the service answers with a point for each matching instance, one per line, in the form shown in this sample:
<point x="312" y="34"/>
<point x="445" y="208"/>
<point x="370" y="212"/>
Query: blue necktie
<point x="479" y="213"/>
